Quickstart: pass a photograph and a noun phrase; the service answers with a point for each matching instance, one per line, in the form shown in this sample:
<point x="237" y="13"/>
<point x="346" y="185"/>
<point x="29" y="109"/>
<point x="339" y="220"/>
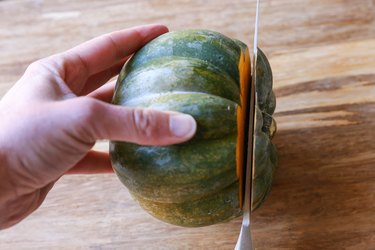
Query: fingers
<point x="105" y="92"/>
<point x="105" y="51"/>
<point x="100" y="120"/>
<point x="97" y="80"/>
<point x="102" y="52"/>
<point x="93" y="163"/>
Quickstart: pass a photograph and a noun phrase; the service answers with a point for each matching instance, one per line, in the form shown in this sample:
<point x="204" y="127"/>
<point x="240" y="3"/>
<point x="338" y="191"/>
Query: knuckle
<point x="35" y="67"/>
<point x="87" y="123"/>
<point x="91" y="110"/>
<point x="44" y="66"/>
<point x="144" y="122"/>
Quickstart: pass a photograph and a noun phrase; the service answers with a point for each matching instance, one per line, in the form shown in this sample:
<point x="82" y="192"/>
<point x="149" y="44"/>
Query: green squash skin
<point x="205" y="108"/>
<point x="265" y="152"/>
<point x="206" y="211"/>
<point x="183" y="178"/>
<point x="205" y="45"/>
<point x="193" y="183"/>
<point x="171" y="73"/>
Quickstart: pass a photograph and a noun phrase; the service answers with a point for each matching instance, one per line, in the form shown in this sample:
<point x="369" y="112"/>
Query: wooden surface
<point x="323" y="58"/>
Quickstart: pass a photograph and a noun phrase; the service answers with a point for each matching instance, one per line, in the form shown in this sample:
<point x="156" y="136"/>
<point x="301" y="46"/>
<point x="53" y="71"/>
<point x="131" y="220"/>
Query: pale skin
<point x="52" y="117"/>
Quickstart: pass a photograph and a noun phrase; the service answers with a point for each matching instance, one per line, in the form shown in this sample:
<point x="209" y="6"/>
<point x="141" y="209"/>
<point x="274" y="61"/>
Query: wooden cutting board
<point x="323" y="57"/>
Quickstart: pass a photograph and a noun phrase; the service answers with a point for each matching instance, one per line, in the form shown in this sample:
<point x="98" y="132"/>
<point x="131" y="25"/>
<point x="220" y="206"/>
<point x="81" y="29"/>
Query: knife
<point x="244" y="241"/>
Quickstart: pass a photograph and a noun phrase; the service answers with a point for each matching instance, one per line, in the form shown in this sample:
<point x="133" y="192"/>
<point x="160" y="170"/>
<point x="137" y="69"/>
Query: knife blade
<point x="244" y="241"/>
<point x="253" y="103"/>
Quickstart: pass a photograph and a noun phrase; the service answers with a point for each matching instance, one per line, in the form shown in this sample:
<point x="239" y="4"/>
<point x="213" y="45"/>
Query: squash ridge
<point x="185" y="74"/>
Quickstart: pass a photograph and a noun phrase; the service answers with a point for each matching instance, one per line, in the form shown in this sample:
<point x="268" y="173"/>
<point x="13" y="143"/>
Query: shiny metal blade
<point x="245" y="240"/>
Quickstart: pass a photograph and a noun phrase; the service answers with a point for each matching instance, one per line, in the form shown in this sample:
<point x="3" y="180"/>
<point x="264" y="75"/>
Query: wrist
<point x="5" y="184"/>
<point x="11" y="203"/>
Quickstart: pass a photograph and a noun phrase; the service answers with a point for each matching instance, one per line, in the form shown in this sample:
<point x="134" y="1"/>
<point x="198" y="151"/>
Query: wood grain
<point x="323" y="57"/>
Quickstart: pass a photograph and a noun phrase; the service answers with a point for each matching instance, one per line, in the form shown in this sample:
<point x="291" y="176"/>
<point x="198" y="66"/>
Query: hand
<point x="54" y="114"/>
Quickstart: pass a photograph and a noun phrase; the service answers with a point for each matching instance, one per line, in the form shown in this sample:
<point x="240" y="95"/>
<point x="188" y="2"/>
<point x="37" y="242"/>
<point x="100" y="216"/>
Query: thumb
<point x="101" y="120"/>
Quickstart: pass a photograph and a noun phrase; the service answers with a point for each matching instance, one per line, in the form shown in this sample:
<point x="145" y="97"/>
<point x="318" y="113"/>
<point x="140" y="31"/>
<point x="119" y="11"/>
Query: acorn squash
<point x="204" y="74"/>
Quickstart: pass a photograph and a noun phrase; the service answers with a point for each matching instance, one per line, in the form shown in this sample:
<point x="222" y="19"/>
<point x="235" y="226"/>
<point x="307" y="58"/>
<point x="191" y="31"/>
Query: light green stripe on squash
<point x="206" y="211"/>
<point x="182" y="169"/>
<point x="171" y="73"/>
<point x="205" y="45"/>
<point x="206" y="109"/>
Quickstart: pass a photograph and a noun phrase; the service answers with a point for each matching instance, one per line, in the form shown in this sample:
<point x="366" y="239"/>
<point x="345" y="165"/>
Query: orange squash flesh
<point x="244" y="68"/>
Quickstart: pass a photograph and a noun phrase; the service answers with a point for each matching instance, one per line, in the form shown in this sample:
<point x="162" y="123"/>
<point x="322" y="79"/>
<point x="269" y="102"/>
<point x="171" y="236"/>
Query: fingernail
<point x="182" y="125"/>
